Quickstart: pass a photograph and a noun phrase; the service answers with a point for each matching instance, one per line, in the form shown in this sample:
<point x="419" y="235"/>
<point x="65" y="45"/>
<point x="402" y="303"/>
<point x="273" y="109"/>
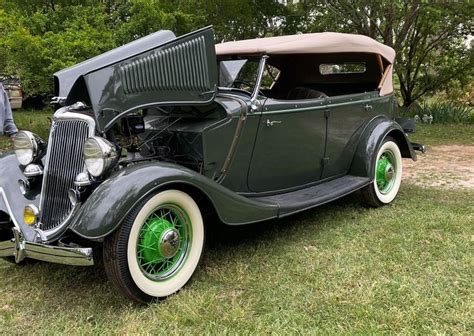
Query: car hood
<point x="65" y="79"/>
<point x="158" y="69"/>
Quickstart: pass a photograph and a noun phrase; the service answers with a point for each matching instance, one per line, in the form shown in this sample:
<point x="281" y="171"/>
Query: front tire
<point x="157" y="248"/>
<point x="387" y="175"/>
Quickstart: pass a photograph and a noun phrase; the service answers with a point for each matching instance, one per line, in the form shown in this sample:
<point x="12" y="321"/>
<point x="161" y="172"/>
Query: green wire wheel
<point x="157" y="248"/>
<point x="164" y="242"/>
<point x="386" y="172"/>
<point x="387" y="176"/>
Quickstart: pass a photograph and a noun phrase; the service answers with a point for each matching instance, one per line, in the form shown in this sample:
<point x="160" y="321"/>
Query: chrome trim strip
<point x="258" y="83"/>
<point x="9" y="209"/>
<point x="55" y="233"/>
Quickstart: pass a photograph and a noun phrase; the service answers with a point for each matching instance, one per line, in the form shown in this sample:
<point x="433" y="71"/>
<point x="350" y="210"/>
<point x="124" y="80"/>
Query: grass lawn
<point x="439" y="134"/>
<point x="340" y="268"/>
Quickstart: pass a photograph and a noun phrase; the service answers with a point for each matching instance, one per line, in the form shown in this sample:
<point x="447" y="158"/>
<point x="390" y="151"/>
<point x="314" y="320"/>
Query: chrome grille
<point x="65" y="162"/>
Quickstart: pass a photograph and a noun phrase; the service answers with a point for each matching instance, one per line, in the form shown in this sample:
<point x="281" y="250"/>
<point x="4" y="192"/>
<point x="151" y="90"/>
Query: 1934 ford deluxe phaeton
<point x="151" y="137"/>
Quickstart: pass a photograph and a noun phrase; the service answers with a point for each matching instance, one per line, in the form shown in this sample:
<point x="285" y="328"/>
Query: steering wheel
<point x="242" y="81"/>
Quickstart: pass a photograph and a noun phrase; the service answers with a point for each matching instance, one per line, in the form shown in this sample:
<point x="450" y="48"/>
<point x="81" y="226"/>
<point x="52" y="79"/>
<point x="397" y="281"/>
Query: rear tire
<point x="156" y="250"/>
<point x="387" y="175"/>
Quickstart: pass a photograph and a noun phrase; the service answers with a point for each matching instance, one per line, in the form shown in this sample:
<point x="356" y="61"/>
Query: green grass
<point x="405" y="268"/>
<point x="30" y="120"/>
<point x="447" y="134"/>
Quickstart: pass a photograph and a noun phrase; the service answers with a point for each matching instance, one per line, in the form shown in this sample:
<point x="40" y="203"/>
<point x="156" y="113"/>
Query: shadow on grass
<point x="225" y="236"/>
<point x="69" y="287"/>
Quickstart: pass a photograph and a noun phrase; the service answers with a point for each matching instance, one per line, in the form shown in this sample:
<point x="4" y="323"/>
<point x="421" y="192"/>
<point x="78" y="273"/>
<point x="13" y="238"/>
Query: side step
<point x="296" y="201"/>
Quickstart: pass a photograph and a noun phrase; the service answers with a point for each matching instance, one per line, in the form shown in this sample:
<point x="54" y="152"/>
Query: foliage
<point x="49" y="36"/>
<point x="45" y="41"/>
<point x="448" y="112"/>
<point x="41" y="37"/>
<point x="135" y="19"/>
<point x="244" y="19"/>
<point x="458" y="92"/>
<point x="427" y="36"/>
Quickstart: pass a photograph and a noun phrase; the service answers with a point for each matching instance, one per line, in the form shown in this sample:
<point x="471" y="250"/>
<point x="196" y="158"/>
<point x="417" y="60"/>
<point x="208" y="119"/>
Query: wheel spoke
<point x="385" y="172"/>
<point x="147" y="247"/>
<point x="152" y="242"/>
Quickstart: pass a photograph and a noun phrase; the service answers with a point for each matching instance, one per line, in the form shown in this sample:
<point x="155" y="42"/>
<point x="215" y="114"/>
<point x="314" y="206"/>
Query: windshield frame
<point x="258" y="78"/>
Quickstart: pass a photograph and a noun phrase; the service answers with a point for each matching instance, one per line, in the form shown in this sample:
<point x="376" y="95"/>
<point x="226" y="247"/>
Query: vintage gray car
<point x="152" y="138"/>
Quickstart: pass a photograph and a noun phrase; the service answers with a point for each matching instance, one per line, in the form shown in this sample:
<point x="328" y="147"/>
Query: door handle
<point x="368" y="107"/>
<point x="271" y="123"/>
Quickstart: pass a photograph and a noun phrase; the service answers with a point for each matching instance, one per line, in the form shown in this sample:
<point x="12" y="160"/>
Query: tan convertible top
<point x="317" y="43"/>
<point x="307" y="44"/>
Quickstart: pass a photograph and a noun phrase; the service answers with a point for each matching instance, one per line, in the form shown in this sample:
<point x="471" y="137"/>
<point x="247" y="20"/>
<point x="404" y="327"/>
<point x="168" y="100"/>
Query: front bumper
<point x="20" y="249"/>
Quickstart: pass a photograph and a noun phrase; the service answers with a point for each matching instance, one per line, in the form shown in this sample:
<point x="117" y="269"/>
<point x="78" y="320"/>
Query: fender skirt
<point x="364" y="160"/>
<point x="107" y="206"/>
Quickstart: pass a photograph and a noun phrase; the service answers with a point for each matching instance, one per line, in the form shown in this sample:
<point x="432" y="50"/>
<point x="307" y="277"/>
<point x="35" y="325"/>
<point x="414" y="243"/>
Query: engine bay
<point x="168" y="134"/>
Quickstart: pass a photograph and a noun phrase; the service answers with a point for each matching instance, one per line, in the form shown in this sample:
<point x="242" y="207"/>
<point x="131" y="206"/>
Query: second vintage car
<point x="153" y="137"/>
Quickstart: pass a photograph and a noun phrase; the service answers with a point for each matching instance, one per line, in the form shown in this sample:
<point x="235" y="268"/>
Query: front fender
<point x="12" y="201"/>
<point x="364" y="160"/>
<point x="108" y="205"/>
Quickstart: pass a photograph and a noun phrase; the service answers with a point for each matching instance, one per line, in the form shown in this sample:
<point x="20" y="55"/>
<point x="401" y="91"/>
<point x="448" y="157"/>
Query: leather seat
<point x="301" y="92"/>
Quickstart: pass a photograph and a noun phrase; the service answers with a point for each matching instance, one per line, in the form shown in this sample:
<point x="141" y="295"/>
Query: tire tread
<point x="115" y="260"/>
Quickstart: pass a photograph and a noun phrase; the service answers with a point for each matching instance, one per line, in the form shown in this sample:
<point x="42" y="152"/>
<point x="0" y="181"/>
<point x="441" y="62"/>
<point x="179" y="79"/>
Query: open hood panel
<point x="178" y="71"/>
<point x="65" y="79"/>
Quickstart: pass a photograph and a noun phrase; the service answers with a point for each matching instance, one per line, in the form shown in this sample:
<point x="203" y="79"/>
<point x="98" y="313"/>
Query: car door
<point x="289" y="145"/>
<point x="348" y="114"/>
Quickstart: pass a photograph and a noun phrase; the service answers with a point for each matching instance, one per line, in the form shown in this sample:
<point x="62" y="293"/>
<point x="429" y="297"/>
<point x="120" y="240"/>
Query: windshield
<point x="238" y="74"/>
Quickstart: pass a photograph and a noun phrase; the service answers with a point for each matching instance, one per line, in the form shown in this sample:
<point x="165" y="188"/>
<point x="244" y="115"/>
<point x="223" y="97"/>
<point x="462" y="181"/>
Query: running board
<point x="296" y="201"/>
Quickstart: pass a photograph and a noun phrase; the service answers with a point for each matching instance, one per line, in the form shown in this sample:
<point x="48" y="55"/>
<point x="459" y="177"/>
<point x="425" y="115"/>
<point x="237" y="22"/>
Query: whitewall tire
<point x="156" y="250"/>
<point x="387" y="176"/>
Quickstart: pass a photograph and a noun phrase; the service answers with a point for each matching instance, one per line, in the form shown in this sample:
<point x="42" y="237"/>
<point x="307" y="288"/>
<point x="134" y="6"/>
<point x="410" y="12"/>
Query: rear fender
<point x="376" y="131"/>
<point x="108" y="205"/>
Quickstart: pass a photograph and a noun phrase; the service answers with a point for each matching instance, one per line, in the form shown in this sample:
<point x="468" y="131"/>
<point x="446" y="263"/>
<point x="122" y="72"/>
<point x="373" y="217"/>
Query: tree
<point x="48" y="38"/>
<point x="139" y="18"/>
<point x="244" y="19"/>
<point x="428" y="37"/>
<point x="40" y="37"/>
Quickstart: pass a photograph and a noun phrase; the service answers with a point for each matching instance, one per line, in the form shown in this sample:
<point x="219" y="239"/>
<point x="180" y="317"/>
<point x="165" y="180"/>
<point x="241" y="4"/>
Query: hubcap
<point x="385" y="172"/>
<point x="164" y="242"/>
<point x="169" y="243"/>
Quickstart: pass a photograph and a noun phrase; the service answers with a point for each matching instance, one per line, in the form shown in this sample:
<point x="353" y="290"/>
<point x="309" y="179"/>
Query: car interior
<point x="313" y="76"/>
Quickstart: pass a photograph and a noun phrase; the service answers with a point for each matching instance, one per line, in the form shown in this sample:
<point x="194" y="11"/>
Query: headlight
<point x="28" y="147"/>
<point x="99" y="155"/>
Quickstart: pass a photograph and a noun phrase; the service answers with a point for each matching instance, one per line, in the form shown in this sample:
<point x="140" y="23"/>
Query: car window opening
<point x="307" y="76"/>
